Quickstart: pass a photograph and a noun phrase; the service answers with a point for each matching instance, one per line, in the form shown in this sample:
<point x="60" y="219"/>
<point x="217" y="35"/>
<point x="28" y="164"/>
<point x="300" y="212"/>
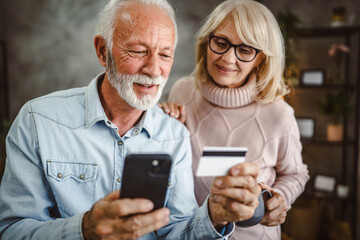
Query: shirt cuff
<point x="73" y="228"/>
<point x="226" y="231"/>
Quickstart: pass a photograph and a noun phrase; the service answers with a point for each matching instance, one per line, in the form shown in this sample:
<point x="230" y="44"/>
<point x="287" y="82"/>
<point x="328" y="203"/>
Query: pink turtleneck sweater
<point x="230" y="117"/>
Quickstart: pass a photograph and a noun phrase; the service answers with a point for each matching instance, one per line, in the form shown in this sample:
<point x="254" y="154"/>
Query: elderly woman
<point x="232" y="99"/>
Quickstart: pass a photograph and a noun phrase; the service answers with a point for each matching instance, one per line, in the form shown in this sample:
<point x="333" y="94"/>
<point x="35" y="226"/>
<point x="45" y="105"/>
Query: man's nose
<point x="152" y="66"/>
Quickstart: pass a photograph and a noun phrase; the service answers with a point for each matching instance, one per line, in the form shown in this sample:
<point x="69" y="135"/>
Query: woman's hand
<point x="174" y="110"/>
<point x="275" y="208"/>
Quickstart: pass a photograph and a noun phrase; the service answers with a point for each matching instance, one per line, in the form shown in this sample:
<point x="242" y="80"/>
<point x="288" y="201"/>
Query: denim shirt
<point x="63" y="155"/>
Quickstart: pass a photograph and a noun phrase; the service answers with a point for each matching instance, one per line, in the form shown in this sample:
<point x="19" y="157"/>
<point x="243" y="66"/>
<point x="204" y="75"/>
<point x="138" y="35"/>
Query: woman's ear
<point x="259" y="61"/>
<point x="101" y="49"/>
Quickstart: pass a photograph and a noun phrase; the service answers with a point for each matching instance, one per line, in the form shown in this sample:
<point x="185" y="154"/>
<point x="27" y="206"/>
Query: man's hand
<point x="174" y="110"/>
<point x="234" y="197"/>
<point x="114" y="218"/>
<point x="275" y="206"/>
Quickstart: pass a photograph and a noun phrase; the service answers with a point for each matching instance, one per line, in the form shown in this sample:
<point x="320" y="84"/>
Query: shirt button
<point x="82" y="176"/>
<point x="136" y="131"/>
<point x="108" y="122"/>
<point x="120" y="143"/>
<point x="60" y="175"/>
<point x="119" y="180"/>
<point x="169" y="184"/>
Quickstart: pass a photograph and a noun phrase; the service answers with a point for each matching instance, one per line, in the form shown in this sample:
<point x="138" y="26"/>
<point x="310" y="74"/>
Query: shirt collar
<point x="145" y="124"/>
<point x="93" y="108"/>
<point x="95" y="111"/>
<point x="147" y="121"/>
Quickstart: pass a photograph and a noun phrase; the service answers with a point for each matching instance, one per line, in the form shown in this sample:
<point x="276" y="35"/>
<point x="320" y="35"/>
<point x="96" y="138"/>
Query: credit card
<point x="217" y="161"/>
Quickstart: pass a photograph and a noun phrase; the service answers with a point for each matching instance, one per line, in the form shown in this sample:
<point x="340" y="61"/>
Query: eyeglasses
<point x="243" y="52"/>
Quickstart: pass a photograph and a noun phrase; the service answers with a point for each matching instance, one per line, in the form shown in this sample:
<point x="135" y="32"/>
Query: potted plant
<point x="289" y="23"/>
<point x="337" y="52"/>
<point x="338" y="16"/>
<point x="335" y="106"/>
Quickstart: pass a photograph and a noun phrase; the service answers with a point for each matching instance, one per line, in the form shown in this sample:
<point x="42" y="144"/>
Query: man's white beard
<point x="124" y="86"/>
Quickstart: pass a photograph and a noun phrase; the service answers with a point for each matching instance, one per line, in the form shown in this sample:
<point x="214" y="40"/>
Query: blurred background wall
<point x="49" y="43"/>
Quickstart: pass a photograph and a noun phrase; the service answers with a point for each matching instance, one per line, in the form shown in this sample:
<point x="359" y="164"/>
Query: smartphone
<point x="146" y="176"/>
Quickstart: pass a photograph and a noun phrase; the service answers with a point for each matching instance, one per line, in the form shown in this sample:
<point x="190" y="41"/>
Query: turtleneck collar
<point x="230" y="97"/>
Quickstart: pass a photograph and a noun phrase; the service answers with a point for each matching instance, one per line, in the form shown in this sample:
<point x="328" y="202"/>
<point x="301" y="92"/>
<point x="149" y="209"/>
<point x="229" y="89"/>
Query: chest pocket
<point x="73" y="185"/>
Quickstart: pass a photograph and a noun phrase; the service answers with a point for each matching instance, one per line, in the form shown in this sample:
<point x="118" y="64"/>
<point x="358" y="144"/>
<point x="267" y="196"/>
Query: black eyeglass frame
<point x="211" y="36"/>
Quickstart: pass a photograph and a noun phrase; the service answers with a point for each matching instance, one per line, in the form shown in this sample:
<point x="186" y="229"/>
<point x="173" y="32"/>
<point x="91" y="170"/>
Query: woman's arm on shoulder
<point x="181" y="93"/>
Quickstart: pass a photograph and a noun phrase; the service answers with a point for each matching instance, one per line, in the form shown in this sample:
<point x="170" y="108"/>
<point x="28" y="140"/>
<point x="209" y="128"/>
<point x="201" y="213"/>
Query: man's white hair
<point x="107" y="18"/>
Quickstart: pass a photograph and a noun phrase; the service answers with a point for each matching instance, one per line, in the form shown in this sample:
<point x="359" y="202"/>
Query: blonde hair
<point x="256" y="26"/>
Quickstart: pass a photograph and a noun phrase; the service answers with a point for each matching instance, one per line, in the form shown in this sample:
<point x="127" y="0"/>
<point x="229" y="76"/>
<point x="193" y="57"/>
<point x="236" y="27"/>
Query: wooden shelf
<point x="349" y="147"/>
<point x="339" y="87"/>
<point x="325" y="31"/>
<point x="325" y="142"/>
<point x="324" y="196"/>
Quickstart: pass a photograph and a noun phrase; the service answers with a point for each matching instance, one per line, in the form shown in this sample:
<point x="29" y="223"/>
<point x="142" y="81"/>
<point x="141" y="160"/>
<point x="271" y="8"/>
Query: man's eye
<point x="137" y="53"/>
<point x="166" y="56"/>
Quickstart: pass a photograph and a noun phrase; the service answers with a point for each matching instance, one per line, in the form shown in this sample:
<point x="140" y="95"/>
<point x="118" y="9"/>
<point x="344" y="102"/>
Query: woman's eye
<point x="221" y="43"/>
<point x="245" y="50"/>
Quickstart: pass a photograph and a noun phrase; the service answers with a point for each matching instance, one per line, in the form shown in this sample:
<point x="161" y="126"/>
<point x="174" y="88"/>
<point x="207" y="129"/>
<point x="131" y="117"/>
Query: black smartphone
<point x="146" y="176"/>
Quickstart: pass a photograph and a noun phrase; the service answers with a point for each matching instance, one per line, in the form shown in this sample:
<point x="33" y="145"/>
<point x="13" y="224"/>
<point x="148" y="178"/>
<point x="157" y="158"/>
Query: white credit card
<point x="217" y="161"/>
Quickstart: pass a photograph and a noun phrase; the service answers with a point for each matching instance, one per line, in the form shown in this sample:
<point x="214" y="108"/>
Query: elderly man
<point x="66" y="150"/>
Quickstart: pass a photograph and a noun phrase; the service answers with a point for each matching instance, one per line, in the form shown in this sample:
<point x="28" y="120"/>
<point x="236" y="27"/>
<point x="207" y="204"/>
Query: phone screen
<point x="146" y="176"/>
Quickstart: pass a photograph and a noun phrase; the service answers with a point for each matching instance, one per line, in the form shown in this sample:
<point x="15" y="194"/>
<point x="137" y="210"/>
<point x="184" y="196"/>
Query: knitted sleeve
<point x="291" y="173"/>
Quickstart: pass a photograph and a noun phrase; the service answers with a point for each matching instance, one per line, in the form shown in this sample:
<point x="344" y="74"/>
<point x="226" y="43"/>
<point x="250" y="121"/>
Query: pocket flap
<point x="79" y="171"/>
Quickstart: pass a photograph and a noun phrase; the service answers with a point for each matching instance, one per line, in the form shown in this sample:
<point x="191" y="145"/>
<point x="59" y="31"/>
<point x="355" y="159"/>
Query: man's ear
<point x="101" y="49"/>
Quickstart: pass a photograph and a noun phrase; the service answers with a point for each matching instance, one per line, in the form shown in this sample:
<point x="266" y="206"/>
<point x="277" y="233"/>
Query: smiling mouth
<point x="224" y="69"/>
<point x="146" y="85"/>
<point x="146" y="88"/>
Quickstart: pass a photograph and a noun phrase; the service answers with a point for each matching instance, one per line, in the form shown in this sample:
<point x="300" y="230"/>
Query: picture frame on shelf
<point x="342" y="190"/>
<point x="312" y="77"/>
<point x="306" y="127"/>
<point x="324" y="183"/>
